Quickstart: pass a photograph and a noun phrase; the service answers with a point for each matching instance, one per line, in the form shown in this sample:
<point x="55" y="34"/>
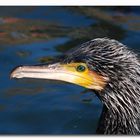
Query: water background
<point x="32" y="35"/>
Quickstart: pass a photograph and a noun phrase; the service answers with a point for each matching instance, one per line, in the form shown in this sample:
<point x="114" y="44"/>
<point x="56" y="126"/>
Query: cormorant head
<point x="93" y="65"/>
<point x="105" y="66"/>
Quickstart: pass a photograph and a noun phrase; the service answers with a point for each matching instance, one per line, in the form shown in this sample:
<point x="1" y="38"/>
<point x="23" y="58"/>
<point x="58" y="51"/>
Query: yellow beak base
<point x="64" y="72"/>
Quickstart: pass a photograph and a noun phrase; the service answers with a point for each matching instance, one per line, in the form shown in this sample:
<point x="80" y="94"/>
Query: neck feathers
<point x="121" y="110"/>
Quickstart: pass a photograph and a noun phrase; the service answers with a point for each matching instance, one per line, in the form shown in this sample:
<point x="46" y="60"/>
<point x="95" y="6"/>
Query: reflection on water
<point x="32" y="35"/>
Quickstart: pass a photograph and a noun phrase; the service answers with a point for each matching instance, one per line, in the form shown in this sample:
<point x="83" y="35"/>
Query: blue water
<point x="30" y="106"/>
<point x="59" y="15"/>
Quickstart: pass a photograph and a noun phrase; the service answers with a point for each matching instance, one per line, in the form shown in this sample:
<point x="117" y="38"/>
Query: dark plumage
<point x="109" y="68"/>
<point x="121" y="96"/>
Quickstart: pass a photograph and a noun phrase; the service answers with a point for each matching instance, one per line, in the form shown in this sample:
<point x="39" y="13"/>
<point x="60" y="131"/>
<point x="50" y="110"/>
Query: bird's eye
<point x="80" y="68"/>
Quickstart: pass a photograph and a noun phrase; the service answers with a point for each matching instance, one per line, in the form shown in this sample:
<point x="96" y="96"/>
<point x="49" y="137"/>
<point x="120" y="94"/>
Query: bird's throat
<point x="118" y="118"/>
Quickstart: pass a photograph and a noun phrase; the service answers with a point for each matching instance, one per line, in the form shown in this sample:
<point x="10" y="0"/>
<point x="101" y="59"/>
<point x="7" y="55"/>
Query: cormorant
<point x="110" y="69"/>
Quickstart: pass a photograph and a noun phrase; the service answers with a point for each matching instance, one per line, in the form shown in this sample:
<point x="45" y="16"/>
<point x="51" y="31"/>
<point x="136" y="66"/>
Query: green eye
<point x="81" y="68"/>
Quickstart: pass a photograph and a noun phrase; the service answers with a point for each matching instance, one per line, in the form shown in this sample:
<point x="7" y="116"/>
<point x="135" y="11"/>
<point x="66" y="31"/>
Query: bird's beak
<point x="63" y="72"/>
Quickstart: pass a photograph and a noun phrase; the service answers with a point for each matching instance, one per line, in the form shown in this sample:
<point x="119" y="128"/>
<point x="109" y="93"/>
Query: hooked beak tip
<point x="16" y="73"/>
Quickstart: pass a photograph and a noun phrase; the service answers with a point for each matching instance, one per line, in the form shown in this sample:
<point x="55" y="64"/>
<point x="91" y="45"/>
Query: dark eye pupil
<point x="81" y="68"/>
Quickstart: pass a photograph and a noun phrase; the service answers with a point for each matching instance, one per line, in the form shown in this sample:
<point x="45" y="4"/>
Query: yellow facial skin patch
<point x="86" y="78"/>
